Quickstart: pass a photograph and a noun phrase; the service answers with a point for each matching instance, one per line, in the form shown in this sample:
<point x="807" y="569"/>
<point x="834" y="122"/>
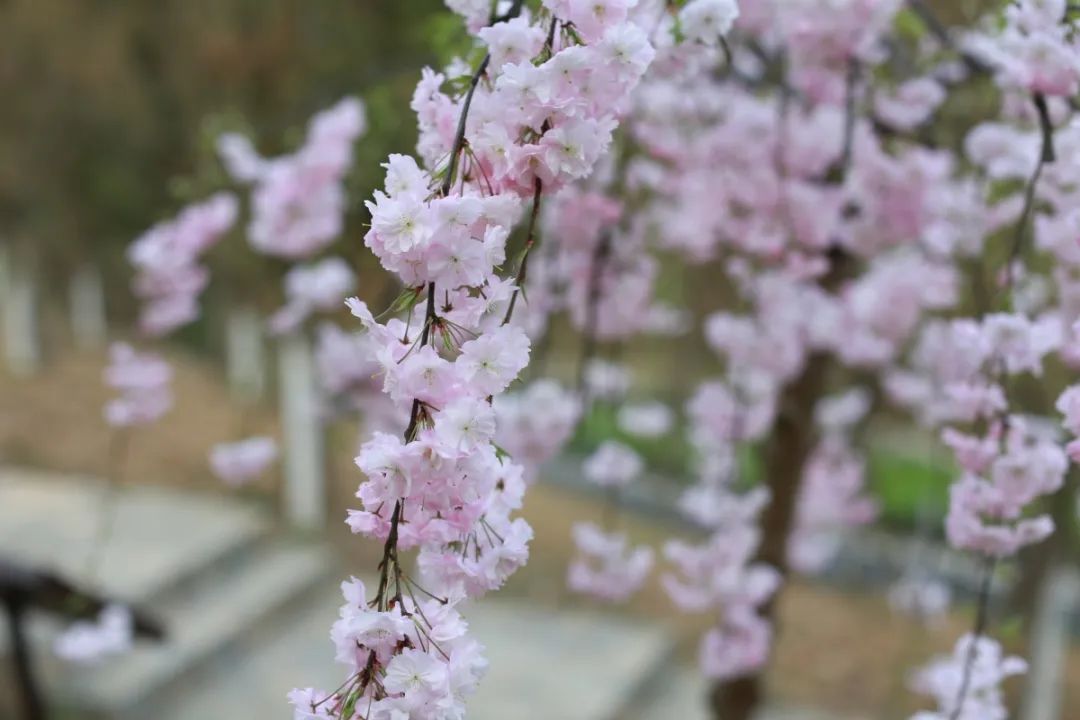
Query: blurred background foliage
<point x="112" y="108"/>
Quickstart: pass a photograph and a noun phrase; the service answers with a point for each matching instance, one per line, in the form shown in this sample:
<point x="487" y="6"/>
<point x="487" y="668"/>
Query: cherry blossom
<point x="297" y="200"/>
<point x="920" y="597"/>
<point x="85" y="641"/>
<point x="613" y="464"/>
<point x="910" y="104"/>
<point x="708" y="21"/>
<point x="319" y="286"/>
<point x="606" y="566"/>
<point x="1035" y="49"/>
<point x="143" y="381"/>
<point x="979" y="665"/>
<point x="534" y="424"/>
<point x="168" y="276"/>
<point x="240" y="462"/>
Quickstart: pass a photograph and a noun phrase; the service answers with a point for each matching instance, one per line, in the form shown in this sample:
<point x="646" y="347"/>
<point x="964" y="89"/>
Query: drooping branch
<point x="534" y="214"/>
<point x="982" y="621"/>
<point x="1047" y="155"/>
<point x="530" y="242"/>
<point x="592" y="311"/>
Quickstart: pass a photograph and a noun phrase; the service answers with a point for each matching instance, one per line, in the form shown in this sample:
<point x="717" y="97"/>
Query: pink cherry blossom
<point x="537" y="117"/>
<point x="613" y="464"/>
<point x="910" y="104"/>
<point x="984" y="699"/>
<point x="143" y="380"/>
<point x="533" y="425"/>
<point x="607" y="567"/>
<point x="739" y="646"/>
<point x="646" y="419"/>
<point x="168" y="276"/>
<point x="297" y="200"/>
<point x="920" y="597"/>
<point x="85" y="641"/>
<point x="309" y="288"/>
<point x="708" y="20"/>
<point x="240" y="462"/>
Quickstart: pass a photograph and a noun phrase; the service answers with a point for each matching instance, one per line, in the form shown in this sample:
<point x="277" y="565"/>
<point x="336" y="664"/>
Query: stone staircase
<point x="248" y="610"/>
<point x="211" y="569"/>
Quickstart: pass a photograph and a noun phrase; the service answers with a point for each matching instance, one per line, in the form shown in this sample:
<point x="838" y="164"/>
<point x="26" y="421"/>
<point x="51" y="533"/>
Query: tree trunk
<point x="789" y="447"/>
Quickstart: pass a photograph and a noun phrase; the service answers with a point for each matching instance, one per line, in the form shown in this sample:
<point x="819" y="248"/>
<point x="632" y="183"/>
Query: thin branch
<point x="850" y="100"/>
<point x="1047" y="129"/>
<point x="588" y="349"/>
<point x="1046" y="155"/>
<point x="938" y="29"/>
<point x="459" y="137"/>
<point x="530" y="241"/>
<point x="982" y="619"/>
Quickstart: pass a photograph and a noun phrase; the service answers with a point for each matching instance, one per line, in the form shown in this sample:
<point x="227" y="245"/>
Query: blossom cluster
<point x="606" y="566"/>
<point x="298" y="200"/>
<point x="917" y="595"/>
<point x="534" y="424"/>
<point x="322" y="285"/>
<point x="110" y="633"/>
<point x="143" y="381"/>
<point x="238" y="463"/>
<point x="1035" y="49"/>
<point x="832" y="497"/>
<point x="841" y="232"/>
<point x="169" y="278"/>
<point x="721" y="577"/>
<point x="967" y="684"/>
<point x="960" y="367"/>
<point x="427" y="667"/>
<point x="533" y="116"/>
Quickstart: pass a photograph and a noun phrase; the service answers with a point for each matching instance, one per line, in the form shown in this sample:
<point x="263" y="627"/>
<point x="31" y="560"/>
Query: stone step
<point x="202" y="626"/>
<point x="569" y="665"/>
<point x="251" y="680"/>
<point x="158" y="542"/>
<point x="566" y="664"/>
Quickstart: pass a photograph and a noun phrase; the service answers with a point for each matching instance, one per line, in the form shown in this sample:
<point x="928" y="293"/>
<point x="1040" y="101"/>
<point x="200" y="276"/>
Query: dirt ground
<point x="838" y="651"/>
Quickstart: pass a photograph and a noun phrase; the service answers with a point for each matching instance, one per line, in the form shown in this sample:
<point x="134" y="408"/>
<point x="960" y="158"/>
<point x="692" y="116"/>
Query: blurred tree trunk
<point x="789" y="447"/>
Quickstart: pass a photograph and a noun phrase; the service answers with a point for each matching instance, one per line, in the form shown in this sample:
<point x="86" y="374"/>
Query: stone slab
<point x="571" y="665"/>
<point x="158" y="536"/>
<point x="203" y="630"/>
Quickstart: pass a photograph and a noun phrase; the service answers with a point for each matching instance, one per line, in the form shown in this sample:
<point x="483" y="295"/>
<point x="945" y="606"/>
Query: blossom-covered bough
<point x="536" y="113"/>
